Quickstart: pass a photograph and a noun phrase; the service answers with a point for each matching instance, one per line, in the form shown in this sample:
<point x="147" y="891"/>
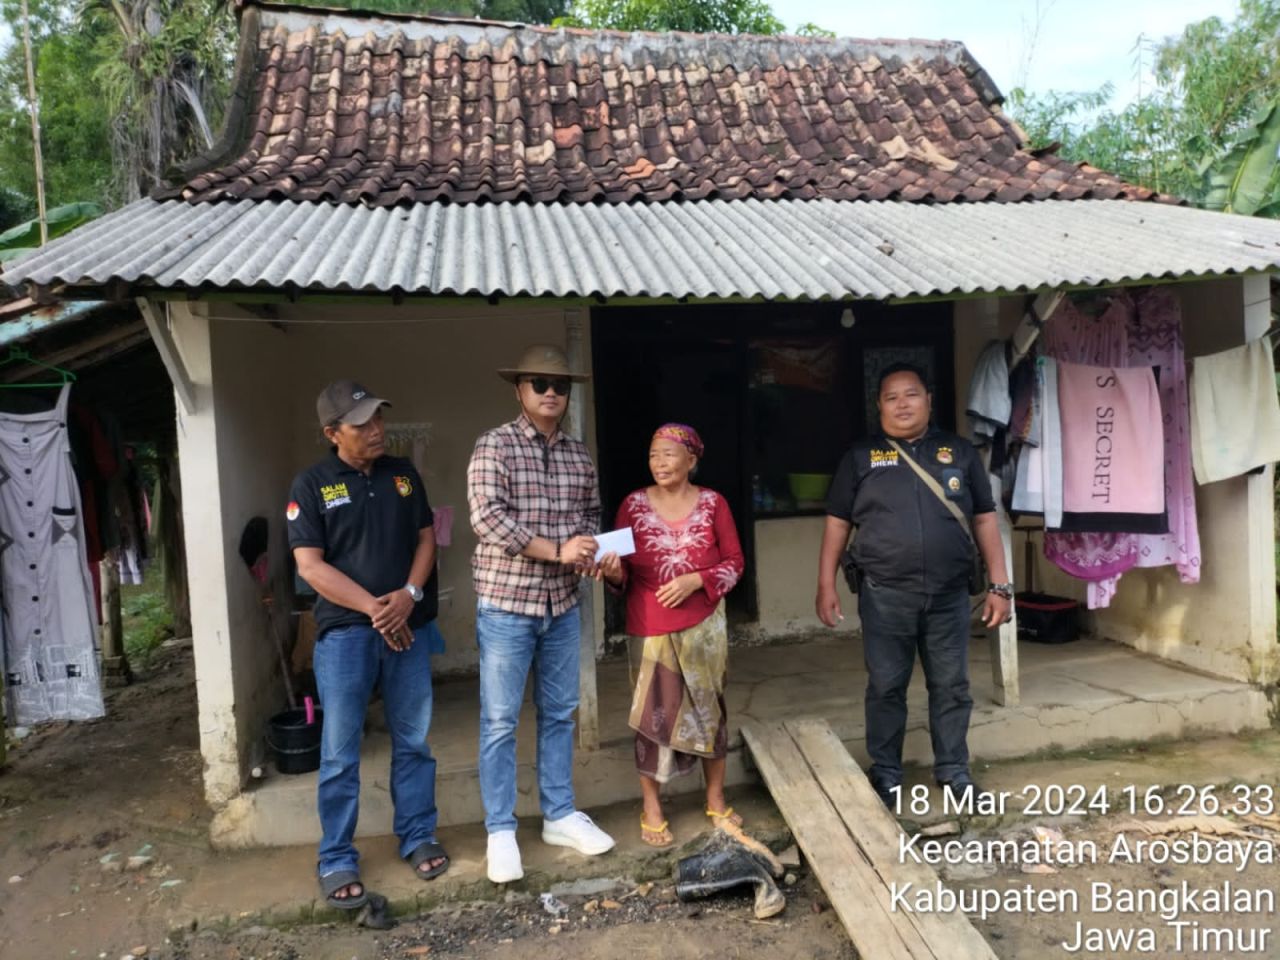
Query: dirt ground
<point x="652" y="926"/>
<point x="103" y="827"/>
<point x="78" y="801"/>
<point x="72" y="794"/>
<point x="1044" y="936"/>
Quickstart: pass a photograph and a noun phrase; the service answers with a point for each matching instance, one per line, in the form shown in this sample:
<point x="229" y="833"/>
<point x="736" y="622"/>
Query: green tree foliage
<point x="73" y="114"/>
<point x="164" y="67"/>
<point x="694" y="16"/>
<point x="15" y="207"/>
<point x="813" y="30"/>
<point x="523" y="11"/>
<point x="1216" y="86"/>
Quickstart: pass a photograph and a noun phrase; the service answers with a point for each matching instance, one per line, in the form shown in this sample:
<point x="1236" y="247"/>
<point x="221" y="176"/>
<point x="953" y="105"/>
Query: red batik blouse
<point x="705" y="541"/>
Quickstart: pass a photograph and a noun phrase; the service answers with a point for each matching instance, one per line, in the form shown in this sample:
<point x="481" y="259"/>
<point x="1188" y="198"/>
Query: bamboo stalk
<point x="35" y="124"/>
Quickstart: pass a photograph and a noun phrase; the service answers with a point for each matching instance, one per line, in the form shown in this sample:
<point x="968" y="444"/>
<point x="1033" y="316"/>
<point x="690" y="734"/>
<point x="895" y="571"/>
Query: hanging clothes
<point x="1071" y="336"/>
<point x="1155" y="340"/>
<point x="1235" y="424"/>
<point x="989" y="405"/>
<point x="1038" y="488"/>
<point x="132" y="546"/>
<point x="1112" y="450"/>
<point x="51" y="660"/>
<point x="1025" y="402"/>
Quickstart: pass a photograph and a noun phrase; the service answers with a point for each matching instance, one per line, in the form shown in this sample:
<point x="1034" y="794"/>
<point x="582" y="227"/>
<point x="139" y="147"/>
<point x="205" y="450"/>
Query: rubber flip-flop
<point x="726" y="815"/>
<point x="658" y="837"/>
<point x="332" y="883"/>
<point x="425" y="853"/>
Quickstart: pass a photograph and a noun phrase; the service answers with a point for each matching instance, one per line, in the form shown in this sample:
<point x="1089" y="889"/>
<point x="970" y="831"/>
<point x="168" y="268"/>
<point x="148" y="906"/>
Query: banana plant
<point x="25" y="237"/>
<point x="1246" y="179"/>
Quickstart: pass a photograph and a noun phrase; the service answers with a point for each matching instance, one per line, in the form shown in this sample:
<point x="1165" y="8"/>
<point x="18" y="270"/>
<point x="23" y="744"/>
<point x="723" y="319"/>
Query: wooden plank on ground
<point x="857" y="895"/>
<point x="851" y="842"/>
<point x="876" y="832"/>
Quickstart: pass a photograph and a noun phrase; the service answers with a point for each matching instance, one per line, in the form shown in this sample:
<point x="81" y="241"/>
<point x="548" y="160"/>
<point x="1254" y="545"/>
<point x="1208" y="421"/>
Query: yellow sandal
<point x="726" y="814"/>
<point x="658" y="836"/>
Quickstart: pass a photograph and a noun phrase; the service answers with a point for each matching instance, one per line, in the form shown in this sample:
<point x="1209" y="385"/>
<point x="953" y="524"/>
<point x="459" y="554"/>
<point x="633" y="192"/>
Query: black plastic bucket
<point x="294" y="742"/>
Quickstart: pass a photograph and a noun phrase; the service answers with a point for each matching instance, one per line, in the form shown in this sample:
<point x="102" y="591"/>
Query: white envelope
<point x="622" y="542"/>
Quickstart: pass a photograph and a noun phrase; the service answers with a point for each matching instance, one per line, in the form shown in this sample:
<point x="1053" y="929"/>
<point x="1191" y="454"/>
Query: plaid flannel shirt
<point x="521" y="485"/>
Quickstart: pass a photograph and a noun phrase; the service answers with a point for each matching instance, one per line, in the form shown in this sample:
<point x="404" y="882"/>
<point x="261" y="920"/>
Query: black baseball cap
<point x="345" y="401"/>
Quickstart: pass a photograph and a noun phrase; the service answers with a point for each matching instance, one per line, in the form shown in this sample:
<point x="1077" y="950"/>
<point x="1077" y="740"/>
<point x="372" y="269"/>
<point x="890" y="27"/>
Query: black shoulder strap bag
<point x="977" y="572"/>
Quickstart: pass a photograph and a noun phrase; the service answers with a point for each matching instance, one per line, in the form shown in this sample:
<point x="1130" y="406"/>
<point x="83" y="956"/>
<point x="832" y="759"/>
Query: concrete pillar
<point x="202" y="517"/>
<point x="1260" y="545"/>
<point x="977" y="322"/>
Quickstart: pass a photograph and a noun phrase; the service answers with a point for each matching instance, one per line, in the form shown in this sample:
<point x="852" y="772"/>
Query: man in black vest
<point x="360" y="528"/>
<point x="914" y="561"/>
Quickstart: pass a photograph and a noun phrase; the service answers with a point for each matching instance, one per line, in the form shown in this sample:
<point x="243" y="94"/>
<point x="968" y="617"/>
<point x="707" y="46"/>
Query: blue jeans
<point x="895" y="624"/>
<point x="349" y="661"/>
<point x="509" y="644"/>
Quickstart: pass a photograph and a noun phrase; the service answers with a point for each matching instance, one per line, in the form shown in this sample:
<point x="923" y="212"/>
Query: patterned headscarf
<point x="682" y="434"/>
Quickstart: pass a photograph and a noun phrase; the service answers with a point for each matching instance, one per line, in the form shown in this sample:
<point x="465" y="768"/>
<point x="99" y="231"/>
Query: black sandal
<point x="332" y="883"/>
<point x="425" y="853"/>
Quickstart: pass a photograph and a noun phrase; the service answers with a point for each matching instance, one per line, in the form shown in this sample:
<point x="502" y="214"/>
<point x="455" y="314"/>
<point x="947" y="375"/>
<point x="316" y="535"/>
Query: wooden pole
<point x="115" y="666"/>
<point x="112" y="621"/>
<point x="35" y="124"/>
<point x="588" y="698"/>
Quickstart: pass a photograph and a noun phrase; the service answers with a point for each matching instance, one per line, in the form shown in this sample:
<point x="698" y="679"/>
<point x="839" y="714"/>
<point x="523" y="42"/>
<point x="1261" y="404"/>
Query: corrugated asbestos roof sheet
<point x="387" y="112"/>
<point x="783" y="249"/>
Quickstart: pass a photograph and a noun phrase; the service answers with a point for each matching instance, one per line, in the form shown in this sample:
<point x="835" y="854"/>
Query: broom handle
<point x="284" y="664"/>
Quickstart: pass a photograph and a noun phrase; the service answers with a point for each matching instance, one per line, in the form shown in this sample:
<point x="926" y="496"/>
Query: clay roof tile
<point x="358" y="110"/>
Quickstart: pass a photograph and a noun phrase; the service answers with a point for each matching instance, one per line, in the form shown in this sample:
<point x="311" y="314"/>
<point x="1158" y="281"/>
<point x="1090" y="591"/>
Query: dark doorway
<point x="777" y="391"/>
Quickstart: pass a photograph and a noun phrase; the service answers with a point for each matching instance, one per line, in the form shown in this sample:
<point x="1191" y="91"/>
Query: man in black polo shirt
<point x="361" y="532"/>
<point x="914" y="560"/>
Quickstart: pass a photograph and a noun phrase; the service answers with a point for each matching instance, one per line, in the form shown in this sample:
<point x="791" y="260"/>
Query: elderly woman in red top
<point x="687" y="558"/>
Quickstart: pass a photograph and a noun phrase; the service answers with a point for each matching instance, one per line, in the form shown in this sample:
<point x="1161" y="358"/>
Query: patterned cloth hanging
<point x="50" y="638"/>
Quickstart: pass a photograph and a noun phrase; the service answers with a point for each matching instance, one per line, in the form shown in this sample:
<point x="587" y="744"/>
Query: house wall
<point x="787" y="578"/>
<point x="436" y="366"/>
<point x="254" y="430"/>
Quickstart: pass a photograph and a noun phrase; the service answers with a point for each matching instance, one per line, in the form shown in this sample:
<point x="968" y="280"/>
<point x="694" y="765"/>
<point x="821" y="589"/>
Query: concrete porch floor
<point x="1073" y="695"/>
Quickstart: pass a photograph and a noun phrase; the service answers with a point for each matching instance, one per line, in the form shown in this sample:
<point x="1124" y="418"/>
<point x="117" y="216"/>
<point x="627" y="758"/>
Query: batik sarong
<point x="678" y="710"/>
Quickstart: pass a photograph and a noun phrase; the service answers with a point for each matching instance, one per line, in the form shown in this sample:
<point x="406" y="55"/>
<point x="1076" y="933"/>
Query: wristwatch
<point x="414" y="592"/>
<point x="1001" y="590"/>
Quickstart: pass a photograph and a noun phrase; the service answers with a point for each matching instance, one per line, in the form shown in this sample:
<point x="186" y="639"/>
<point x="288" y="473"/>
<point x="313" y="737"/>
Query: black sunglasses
<point x="541" y="384"/>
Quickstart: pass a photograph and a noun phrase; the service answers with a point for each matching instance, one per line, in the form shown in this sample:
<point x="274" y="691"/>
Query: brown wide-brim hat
<point x="542" y="360"/>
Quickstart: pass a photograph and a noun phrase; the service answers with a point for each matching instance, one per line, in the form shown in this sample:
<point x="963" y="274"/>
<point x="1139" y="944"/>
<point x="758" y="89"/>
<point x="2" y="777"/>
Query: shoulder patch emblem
<point x="292" y="510"/>
<point x="404" y="486"/>
<point x="945" y="455"/>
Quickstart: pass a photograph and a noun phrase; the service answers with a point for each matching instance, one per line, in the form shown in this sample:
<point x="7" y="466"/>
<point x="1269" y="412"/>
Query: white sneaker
<point x="504" y="857"/>
<point x="577" y="831"/>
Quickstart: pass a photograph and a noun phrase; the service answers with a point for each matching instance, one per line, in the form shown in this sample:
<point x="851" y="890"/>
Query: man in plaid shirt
<point x="535" y="509"/>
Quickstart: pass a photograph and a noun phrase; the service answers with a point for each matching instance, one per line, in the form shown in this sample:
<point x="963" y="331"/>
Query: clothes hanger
<point x="18" y="355"/>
